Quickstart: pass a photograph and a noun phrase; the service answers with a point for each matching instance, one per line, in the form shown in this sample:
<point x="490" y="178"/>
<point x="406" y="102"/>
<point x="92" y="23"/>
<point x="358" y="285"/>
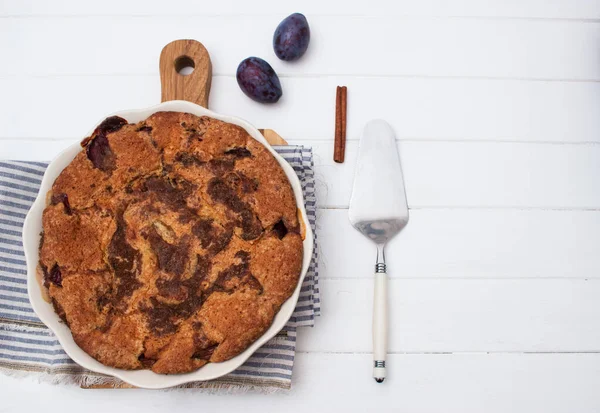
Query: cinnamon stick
<point x="339" y="149"/>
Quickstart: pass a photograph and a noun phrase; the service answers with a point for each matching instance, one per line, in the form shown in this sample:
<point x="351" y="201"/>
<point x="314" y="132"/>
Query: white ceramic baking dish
<point x="146" y="378"/>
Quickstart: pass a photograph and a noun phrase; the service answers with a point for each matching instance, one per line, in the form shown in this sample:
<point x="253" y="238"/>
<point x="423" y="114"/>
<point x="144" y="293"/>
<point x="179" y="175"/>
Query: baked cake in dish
<point x="170" y="243"/>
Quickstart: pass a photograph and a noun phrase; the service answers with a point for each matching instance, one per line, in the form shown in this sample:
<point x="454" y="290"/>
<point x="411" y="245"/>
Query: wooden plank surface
<point x="444" y="174"/>
<point x="413" y="46"/>
<point x="456" y="316"/>
<point x="418" y="108"/>
<point x="469" y="243"/>
<point x="554" y="9"/>
<point x="325" y="381"/>
<point x="475" y="175"/>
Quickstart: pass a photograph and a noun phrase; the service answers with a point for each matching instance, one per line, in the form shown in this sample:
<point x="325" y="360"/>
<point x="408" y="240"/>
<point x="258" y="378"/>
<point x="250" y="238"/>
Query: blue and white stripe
<point x="27" y="346"/>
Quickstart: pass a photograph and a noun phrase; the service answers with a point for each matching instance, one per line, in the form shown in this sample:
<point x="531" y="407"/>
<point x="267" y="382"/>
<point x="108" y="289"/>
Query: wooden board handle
<point x="194" y="87"/>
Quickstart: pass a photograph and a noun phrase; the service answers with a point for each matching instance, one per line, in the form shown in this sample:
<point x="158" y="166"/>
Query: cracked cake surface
<point x="170" y="243"/>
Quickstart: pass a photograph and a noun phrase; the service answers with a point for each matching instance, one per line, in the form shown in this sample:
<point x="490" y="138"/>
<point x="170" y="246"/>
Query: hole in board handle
<point x="184" y="65"/>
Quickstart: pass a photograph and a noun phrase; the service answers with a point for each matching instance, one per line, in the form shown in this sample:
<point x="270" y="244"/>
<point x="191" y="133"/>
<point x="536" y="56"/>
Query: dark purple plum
<point x="97" y="147"/>
<point x="110" y="124"/>
<point x="99" y="152"/>
<point x="291" y="37"/>
<point x="58" y="198"/>
<point x="258" y="80"/>
<point x="280" y="229"/>
<point x="54" y="276"/>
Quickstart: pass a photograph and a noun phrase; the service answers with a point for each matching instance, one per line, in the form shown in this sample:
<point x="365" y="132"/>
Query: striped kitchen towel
<point x="28" y="348"/>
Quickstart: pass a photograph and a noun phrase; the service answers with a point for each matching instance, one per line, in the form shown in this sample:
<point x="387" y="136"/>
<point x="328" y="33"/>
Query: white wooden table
<point x="495" y="288"/>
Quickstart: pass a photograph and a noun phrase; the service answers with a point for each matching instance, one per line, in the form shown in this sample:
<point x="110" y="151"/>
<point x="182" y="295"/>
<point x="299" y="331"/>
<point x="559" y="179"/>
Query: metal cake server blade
<point x="378" y="209"/>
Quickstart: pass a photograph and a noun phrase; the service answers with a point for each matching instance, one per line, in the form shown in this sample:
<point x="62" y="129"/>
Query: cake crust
<point x="170" y="243"/>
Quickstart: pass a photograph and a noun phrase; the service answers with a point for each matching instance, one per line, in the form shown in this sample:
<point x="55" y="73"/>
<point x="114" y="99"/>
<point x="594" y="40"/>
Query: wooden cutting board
<point x="179" y="56"/>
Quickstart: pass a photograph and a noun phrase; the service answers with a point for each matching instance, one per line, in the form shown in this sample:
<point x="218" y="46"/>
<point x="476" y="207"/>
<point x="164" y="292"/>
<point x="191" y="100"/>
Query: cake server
<point x="378" y="209"/>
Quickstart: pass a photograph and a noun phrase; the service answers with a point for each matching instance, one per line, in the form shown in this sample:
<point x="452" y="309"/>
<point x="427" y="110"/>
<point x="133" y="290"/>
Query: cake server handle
<point x="380" y="318"/>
